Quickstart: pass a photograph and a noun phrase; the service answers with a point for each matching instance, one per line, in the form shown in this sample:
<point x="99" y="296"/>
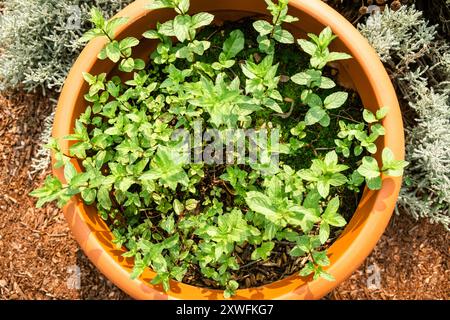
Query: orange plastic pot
<point x="364" y="72"/>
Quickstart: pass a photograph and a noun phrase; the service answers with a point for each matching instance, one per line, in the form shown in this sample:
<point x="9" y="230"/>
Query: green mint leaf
<point x="283" y="36"/>
<point x="263" y="252"/>
<point x="113" y="51"/>
<point x="102" y="54"/>
<point x="191" y="204"/>
<point x="369" y="117"/>
<point x="374" y="183"/>
<point x="139" y="64"/>
<point x="233" y="44"/>
<point x="382" y="112"/>
<point x="324" y="232"/>
<point x="337" y="179"/>
<point x="160" y="4"/>
<point x="369" y="168"/>
<point x="79" y="149"/>
<point x="323" y="187"/>
<point x="91" y="34"/>
<point x="103" y="198"/>
<point x="201" y="19"/>
<point x="270" y="231"/>
<point x="326" y="83"/>
<point x="378" y="130"/>
<point x="178" y="207"/>
<point x="231" y="288"/>
<point x="112" y="25"/>
<point x="151" y="34"/>
<point x="335" y="100"/>
<point x="126" y="65"/>
<point x="325" y="38"/>
<point x="69" y="171"/>
<point x="266" y="45"/>
<point x="304" y="217"/>
<point x="307" y="46"/>
<point x="327" y="276"/>
<point x="325" y="121"/>
<point x="296" y="251"/>
<point x="88" y="196"/>
<point x="270" y="103"/>
<point x="128" y="42"/>
<point x="314" y="115"/>
<point x="167" y="29"/>
<point x="321" y="258"/>
<point x="168" y="224"/>
<point x="331" y="215"/>
<point x="313" y="100"/>
<point x="263" y="27"/>
<point x="387" y="156"/>
<point x="90" y="79"/>
<point x="331" y="158"/>
<point x="183" y="6"/>
<point x="49" y="192"/>
<point x="310" y="78"/>
<point x="96" y="17"/>
<point x="290" y="19"/>
<point x="334" y="56"/>
<point x="307" y="269"/>
<point x="391" y="166"/>
<point x="181" y="27"/>
<point x="262" y="204"/>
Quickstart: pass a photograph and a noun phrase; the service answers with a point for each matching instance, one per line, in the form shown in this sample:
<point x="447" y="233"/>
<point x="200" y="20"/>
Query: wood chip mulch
<point x="413" y="261"/>
<point x="39" y="259"/>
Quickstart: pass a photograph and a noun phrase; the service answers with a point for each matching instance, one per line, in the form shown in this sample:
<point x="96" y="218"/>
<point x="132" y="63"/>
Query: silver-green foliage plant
<point x="180" y="217"/>
<point x="38" y="39"/>
<point x="419" y="63"/>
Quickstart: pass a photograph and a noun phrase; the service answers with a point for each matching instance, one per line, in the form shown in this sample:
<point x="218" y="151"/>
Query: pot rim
<point x="346" y="253"/>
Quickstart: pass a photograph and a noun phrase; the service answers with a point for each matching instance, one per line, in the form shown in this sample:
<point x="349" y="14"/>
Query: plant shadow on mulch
<point x="93" y="285"/>
<point x="39" y="259"/>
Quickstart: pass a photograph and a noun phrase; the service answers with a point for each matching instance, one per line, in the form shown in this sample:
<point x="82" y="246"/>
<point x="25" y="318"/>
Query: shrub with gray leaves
<point x="419" y="63"/>
<point x="38" y="39"/>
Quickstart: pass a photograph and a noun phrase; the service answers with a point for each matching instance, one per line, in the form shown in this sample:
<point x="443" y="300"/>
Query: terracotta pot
<point x="364" y="72"/>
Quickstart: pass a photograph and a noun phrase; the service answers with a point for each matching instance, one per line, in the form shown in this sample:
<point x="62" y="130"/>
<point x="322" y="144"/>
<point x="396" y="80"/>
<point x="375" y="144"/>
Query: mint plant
<point x="205" y="221"/>
<point x="271" y="32"/>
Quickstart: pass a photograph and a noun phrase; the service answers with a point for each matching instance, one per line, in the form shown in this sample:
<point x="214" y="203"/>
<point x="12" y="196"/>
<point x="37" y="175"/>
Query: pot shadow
<point x="93" y="284"/>
<point x="372" y="202"/>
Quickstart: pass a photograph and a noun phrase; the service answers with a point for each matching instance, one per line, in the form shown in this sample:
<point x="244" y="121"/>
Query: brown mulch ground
<point x="413" y="259"/>
<point x="38" y="253"/>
